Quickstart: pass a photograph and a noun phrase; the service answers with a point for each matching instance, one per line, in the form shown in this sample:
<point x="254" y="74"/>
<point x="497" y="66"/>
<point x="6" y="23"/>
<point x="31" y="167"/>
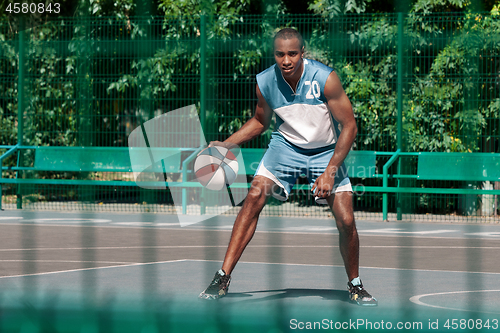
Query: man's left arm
<point x="341" y="109"/>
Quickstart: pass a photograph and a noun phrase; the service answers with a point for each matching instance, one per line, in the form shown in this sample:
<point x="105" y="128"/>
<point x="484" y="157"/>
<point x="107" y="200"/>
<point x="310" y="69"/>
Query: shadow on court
<point x="324" y="294"/>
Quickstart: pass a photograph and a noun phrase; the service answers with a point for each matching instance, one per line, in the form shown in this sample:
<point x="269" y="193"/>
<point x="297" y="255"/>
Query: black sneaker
<point x="360" y="296"/>
<point x="219" y="286"/>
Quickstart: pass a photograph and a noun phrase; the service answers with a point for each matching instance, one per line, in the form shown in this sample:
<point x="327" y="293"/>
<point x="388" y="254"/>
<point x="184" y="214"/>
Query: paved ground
<point x="291" y="273"/>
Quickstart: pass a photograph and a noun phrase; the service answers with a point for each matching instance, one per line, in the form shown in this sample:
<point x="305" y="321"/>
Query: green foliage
<point x="429" y="6"/>
<point x="326" y="8"/>
<point x="104" y="8"/>
<point x="446" y="108"/>
<point x="373" y="101"/>
<point x="221" y="13"/>
<point x="374" y="35"/>
<point x="8" y="121"/>
<point x="333" y="8"/>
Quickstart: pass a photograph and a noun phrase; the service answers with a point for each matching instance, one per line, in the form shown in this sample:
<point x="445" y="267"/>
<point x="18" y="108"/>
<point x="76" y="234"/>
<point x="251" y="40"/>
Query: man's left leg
<point x="341" y="205"/>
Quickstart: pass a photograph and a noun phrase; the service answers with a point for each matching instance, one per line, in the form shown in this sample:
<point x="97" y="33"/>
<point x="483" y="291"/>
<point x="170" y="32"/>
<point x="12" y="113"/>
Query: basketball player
<point x="309" y="102"/>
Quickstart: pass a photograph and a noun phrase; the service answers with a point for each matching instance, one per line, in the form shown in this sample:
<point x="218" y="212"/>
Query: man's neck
<point x="294" y="81"/>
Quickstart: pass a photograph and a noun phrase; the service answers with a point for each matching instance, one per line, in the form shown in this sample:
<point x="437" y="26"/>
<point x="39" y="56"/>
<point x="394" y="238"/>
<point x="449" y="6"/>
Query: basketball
<point x="216" y="168"/>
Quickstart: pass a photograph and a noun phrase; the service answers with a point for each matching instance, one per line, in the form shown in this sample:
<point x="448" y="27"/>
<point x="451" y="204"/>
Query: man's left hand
<point x="323" y="186"/>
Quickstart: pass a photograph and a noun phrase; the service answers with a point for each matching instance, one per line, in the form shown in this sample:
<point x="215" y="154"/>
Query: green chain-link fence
<point x="417" y="82"/>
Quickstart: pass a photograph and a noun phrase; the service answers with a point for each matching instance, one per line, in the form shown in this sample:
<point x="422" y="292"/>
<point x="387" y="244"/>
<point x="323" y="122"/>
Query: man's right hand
<point x="228" y="145"/>
<point x="225" y="144"/>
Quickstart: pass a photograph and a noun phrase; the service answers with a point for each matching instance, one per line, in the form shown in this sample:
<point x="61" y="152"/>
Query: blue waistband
<point x="278" y="137"/>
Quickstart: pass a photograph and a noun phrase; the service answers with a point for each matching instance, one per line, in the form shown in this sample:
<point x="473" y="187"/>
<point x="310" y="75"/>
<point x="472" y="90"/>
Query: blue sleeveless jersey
<point x="303" y="117"/>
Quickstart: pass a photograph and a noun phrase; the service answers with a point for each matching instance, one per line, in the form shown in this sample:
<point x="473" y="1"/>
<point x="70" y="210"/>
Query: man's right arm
<point x="253" y="127"/>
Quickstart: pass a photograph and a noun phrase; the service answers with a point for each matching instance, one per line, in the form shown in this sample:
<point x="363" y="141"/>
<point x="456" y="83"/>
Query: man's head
<point x="288" y="52"/>
<point x="289" y="33"/>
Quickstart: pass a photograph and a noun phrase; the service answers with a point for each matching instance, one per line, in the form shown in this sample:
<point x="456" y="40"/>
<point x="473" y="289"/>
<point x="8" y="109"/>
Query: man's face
<point x="288" y="55"/>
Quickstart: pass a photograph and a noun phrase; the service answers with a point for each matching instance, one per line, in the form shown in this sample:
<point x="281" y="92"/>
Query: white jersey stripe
<point x="307" y="126"/>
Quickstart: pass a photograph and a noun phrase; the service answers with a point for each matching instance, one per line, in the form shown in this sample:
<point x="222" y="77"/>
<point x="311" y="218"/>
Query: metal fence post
<point x="385" y="184"/>
<point x="20" y="107"/>
<point x="400" y="106"/>
<point x="203" y="94"/>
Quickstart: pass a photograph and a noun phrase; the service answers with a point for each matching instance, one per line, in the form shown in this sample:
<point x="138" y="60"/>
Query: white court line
<point x="248" y="262"/>
<point x="424" y="235"/>
<point x="488" y="234"/>
<point x="383" y="246"/>
<point x="400" y="231"/>
<point x="155" y="224"/>
<point x="254" y="246"/>
<point x="66" y="261"/>
<point x="68" y="220"/>
<point x="310" y="228"/>
<point x="244" y="262"/>
<point x="416" y="300"/>
<point x="341" y="266"/>
<point x="11" y="218"/>
<point x="92" y="268"/>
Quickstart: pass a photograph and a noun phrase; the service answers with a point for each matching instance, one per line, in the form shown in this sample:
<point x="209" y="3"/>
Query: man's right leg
<point x="243" y="231"/>
<point x="246" y="221"/>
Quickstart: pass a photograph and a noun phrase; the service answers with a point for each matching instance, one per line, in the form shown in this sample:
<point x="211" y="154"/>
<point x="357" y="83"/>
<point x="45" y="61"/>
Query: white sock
<point x="221" y="272"/>
<point x="356" y="281"/>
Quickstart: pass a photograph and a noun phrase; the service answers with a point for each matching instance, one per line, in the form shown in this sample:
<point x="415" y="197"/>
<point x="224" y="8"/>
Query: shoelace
<point x="362" y="292"/>
<point x="224" y="279"/>
<point x="219" y="280"/>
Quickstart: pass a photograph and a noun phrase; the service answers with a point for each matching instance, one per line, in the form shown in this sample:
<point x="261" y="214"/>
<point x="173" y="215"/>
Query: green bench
<point x="458" y="166"/>
<point x="467" y="167"/>
<point x="89" y="159"/>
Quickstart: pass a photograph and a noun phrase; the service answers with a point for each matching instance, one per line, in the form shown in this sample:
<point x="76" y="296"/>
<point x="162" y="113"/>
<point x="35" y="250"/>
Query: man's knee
<point x="260" y="190"/>
<point x="255" y="194"/>
<point x="346" y="224"/>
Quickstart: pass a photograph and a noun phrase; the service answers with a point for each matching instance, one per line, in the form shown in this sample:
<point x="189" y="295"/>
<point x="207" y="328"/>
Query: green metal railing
<point x="417" y="82"/>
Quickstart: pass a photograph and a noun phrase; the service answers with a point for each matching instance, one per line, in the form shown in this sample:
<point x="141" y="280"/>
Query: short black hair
<point x="289" y="33"/>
